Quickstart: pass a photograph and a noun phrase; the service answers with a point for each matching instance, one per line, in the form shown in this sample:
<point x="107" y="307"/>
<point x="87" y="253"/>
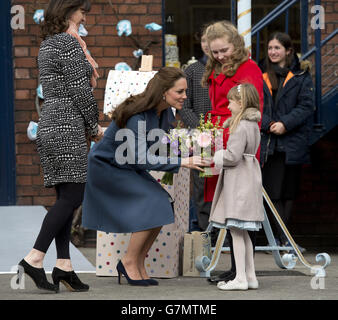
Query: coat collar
<point x="250" y="114"/>
<point x="163" y="122"/>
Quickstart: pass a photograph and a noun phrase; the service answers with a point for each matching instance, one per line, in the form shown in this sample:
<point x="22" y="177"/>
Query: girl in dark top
<point x="286" y="123"/>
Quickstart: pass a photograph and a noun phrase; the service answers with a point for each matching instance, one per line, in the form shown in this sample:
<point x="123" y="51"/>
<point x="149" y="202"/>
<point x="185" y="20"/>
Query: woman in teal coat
<point x="120" y="195"/>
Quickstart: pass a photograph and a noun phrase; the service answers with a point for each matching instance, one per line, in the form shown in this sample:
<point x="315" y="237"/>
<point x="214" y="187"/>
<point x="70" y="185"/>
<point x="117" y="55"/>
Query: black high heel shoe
<point x="121" y="270"/>
<point x="70" y="280"/>
<point x="152" y="282"/>
<point x="38" y="275"/>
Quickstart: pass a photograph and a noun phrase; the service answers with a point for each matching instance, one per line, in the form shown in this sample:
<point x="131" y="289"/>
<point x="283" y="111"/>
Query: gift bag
<point x="196" y="244"/>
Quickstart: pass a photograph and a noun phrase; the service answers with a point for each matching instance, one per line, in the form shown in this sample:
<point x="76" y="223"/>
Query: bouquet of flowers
<point x="202" y="141"/>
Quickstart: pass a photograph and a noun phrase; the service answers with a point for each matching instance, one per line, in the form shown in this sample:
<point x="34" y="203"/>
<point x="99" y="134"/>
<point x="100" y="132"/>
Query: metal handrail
<point x="281" y="8"/>
<point x="322" y="43"/>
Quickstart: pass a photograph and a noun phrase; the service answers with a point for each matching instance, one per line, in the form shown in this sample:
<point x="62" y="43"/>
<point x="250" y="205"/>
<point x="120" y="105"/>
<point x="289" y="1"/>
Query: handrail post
<point x="304" y="16"/>
<point x="287" y="21"/>
<point x="233" y="11"/>
<point x="318" y="93"/>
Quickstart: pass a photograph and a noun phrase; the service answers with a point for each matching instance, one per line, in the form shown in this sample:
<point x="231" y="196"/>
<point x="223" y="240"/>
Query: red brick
<point x="132" y="9"/>
<point x="27" y="191"/>
<point x="26" y="148"/>
<point x="26" y="84"/>
<point x="24" y="180"/>
<point x="24" y="201"/>
<point x="110" y="52"/>
<point x="21" y="94"/>
<point x="21" y="52"/>
<point x="44" y="201"/>
<point x="22" y="74"/>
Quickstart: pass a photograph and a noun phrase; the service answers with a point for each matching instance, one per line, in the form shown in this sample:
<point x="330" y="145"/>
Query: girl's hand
<point x="195" y="162"/>
<point x="278" y="128"/>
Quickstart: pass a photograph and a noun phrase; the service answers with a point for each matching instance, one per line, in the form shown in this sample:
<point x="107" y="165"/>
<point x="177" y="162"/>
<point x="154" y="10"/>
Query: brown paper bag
<point x="196" y="244"/>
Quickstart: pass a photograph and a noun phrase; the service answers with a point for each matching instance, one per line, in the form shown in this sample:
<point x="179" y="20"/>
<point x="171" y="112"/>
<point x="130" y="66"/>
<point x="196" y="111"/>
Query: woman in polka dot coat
<point x="69" y="115"/>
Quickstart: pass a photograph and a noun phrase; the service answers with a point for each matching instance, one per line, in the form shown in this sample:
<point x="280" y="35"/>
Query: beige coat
<point x="238" y="193"/>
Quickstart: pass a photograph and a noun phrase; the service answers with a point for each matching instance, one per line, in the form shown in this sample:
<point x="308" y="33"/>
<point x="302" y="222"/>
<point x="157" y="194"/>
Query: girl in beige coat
<point x="238" y="202"/>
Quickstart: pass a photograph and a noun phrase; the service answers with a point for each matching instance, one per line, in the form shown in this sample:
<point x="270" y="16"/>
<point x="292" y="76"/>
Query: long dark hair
<point x="57" y="14"/>
<point x="286" y="42"/>
<point x="150" y="98"/>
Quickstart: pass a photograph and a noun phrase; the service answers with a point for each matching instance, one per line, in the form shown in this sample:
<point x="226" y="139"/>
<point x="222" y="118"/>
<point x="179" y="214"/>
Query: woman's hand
<point x="195" y="162"/>
<point x="277" y="128"/>
<point x="99" y="135"/>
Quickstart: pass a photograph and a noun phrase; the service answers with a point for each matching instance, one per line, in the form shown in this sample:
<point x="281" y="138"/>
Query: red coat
<point x="218" y="91"/>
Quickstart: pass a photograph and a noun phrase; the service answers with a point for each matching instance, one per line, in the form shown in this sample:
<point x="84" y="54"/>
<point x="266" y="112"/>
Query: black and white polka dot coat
<point x="69" y="111"/>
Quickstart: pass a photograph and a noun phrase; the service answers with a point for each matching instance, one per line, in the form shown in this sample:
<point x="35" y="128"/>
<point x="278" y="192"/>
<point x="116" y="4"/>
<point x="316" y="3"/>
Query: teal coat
<point x="121" y="197"/>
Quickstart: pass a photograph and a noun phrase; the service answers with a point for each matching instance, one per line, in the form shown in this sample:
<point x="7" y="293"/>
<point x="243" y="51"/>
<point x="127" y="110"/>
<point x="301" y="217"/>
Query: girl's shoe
<point x="38" y="275"/>
<point x="232" y="285"/>
<point x="70" y="280"/>
<point x="121" y="270"/>
<point x="152" y="282"/>
<point x="253" y="284"/>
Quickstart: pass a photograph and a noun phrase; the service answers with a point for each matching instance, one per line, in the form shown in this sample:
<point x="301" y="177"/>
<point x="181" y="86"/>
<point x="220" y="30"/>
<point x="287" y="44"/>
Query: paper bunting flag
<point x="122" y="66"/>
<point x="138" y="53"/>
<point x="39" y="16"/>
<point x="39" y="91"/>
<point x="32" y="130"/>
<point x="82" y="31"/>
<point x="124" y="27"/>
<point x="153" y="26"/>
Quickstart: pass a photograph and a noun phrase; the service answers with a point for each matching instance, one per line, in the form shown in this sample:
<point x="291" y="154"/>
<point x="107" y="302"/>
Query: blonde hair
<point x="240" y="54"/>
<point x="247" y="96"/>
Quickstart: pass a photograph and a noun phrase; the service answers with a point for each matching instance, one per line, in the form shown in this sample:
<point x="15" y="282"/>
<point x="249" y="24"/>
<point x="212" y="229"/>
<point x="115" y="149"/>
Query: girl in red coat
<point x="229" y="64"/>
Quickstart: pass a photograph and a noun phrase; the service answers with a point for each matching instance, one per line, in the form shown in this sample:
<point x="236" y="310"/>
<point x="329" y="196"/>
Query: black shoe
<point x="121" y="270"/>
<point x="38" y="275"/>
<point x="152" y="282"/>
<point x="70" y="280"/>
<point x="225" y="276"/>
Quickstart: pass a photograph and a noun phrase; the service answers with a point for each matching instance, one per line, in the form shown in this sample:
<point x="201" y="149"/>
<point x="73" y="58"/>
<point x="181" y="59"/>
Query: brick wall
<point x="107" y="48"/>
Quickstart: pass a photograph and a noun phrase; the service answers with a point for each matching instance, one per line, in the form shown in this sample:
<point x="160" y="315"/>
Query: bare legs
<point x="243" y="252"/>
<point x="139" y="245"/>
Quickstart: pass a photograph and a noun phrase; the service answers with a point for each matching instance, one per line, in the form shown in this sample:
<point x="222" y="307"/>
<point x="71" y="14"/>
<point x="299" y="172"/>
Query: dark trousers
<point x="58" y="221"/>
<point x="203" y="208"/>
<point x="281" y="182"/>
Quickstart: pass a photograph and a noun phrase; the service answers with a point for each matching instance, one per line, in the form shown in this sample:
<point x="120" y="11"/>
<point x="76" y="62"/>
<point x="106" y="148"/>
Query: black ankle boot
<point x="38" y="275"/>
<point x="69" y="279"/>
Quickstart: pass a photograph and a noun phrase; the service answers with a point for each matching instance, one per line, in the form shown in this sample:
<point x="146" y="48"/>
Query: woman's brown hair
<point x="240" y="54"/>
<point x="285" y="40"/>
<point x="150" y="98"/>
<point x="57" y="14"/>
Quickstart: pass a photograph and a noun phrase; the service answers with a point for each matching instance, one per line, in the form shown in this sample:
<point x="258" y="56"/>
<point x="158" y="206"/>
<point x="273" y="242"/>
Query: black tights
<point x="58" y="221"/>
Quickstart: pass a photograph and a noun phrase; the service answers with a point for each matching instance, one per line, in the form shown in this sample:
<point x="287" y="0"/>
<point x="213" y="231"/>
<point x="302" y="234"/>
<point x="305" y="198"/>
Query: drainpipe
<point x="244" y="21"/>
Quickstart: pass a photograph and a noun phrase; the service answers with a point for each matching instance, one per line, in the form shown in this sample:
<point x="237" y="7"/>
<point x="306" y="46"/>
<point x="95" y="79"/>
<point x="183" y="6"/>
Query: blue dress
<point x="123" y="197"/>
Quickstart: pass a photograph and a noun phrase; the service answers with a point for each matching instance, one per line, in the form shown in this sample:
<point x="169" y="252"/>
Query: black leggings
<point x="58" y="221"/>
